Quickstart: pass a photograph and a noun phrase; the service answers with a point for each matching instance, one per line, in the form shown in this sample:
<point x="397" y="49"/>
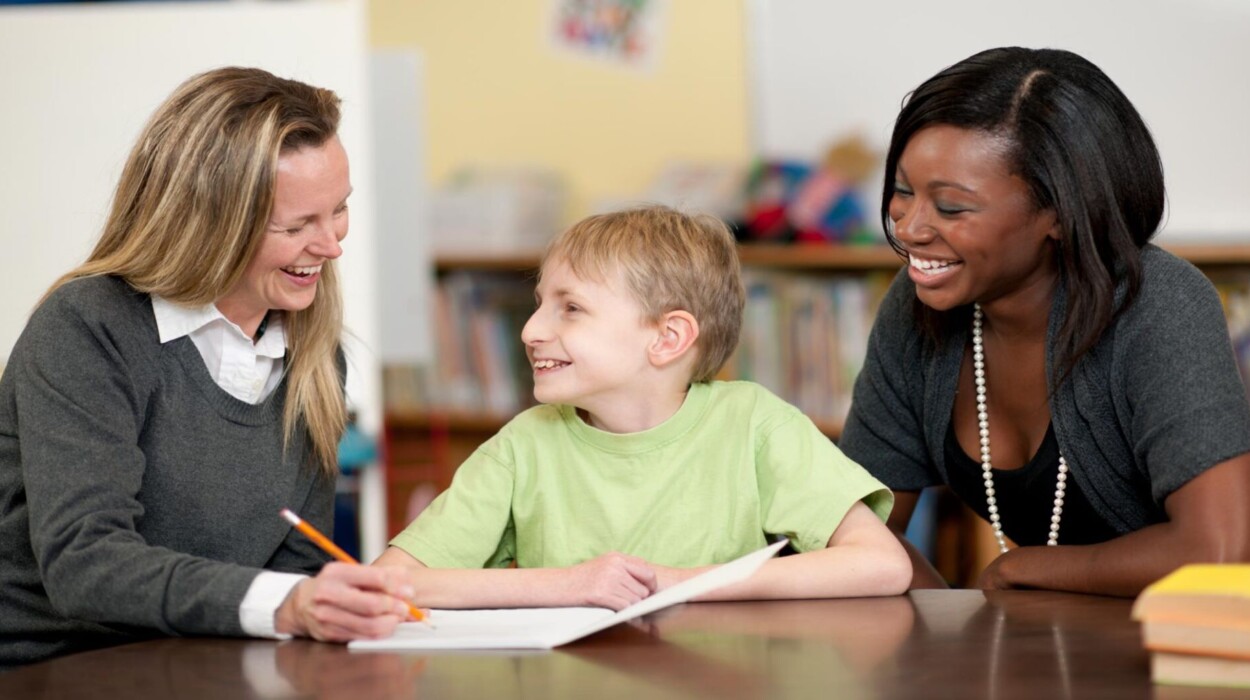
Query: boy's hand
<point x="611" y="580"/>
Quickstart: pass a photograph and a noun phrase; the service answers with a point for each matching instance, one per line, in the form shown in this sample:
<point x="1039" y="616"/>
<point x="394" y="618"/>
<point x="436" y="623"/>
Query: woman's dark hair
<point x="1084" y="153"/>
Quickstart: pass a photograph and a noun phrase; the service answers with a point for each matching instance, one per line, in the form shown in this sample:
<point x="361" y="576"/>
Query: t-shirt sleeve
<point x="807" y="485"/>
<point x="469" y="526"/>
<point x="884" y="430"/>
<point x="1183" y="392"/>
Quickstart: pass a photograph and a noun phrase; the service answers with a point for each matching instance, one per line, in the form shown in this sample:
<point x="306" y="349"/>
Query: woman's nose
<point x="913" y="225"/>
<point x="328" y="241"/>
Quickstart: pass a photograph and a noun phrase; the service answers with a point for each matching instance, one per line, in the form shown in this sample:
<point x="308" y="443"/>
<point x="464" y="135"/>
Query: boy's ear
<point x="677" y="331"/>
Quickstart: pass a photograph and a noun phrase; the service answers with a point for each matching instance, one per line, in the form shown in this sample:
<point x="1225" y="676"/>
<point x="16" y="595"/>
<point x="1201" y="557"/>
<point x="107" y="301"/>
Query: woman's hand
<point x="346" y="602"/>
<point x="611" y="580"/>
<point x="993" y="578"/>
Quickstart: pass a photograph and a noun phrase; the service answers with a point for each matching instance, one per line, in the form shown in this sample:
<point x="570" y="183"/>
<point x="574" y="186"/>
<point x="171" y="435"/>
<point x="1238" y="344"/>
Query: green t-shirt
<point x="704" y="487"/>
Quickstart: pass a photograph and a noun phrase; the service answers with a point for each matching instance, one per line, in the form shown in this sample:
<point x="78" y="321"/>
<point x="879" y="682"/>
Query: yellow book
<point x="1189" y="669"/>
<point x="1198" y="594"/>
<point x="1230" y="640"/>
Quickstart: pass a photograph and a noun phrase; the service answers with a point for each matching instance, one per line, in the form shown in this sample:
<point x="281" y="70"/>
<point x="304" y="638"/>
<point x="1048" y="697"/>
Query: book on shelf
<point x="1196" y="624"/>
<point x="804" y="337"/>
<point x="479" y="365"/>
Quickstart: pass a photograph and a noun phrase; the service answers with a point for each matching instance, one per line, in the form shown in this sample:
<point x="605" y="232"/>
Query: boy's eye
<point x="572" y="307"/>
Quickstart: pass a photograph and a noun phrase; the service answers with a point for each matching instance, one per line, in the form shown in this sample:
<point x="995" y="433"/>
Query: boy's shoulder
<point x="741" y="396"/>
<point x="540" y="417"/>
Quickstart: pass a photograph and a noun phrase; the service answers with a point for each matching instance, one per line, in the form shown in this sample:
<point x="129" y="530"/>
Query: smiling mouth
<point x="928" y="266"/>
<point x="303" y="271"/>
<point x="546" y="365"/>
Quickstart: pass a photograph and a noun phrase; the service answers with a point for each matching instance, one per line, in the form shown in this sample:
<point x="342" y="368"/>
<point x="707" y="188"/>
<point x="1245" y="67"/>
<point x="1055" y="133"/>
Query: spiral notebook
<point x="546" y="628"/>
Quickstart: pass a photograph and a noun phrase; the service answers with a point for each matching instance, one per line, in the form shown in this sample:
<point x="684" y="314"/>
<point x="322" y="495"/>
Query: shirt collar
<point x="174" y="321"/>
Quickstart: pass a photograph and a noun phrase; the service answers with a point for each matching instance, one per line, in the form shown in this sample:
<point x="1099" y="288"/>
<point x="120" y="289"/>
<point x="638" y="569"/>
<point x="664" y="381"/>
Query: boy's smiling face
<point x="588" y="343"/>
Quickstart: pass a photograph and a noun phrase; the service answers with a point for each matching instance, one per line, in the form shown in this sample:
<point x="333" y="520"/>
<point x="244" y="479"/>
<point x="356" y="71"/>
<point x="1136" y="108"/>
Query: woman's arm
<point x="1208" y="522"/>
<point x="862" y="558"/>
<point x="611" y="580"/>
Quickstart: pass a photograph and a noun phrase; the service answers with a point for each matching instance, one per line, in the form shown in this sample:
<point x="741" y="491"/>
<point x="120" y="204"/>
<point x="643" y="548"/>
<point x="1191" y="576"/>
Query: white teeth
<point x="547" y="364"/>
<point x="303" y="271"/>
<point x="931" y="266"/>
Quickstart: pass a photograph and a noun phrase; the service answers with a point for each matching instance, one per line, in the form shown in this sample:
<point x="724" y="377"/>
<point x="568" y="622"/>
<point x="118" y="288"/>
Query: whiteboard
<point x="823" y="70"/>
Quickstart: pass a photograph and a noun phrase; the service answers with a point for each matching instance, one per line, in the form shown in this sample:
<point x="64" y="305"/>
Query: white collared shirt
<point x="249" y="372"/>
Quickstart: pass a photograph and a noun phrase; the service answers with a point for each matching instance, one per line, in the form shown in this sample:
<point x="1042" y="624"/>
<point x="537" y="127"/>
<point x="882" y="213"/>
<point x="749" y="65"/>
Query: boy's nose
<point x="531" y="333"/>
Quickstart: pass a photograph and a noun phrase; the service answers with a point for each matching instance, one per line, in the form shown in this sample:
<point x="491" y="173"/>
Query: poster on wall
<point x="625" y="33"/>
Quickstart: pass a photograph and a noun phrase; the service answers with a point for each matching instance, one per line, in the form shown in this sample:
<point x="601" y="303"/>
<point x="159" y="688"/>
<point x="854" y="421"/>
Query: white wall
<point x="825" y="69"/>
<point x="79" y="81"/>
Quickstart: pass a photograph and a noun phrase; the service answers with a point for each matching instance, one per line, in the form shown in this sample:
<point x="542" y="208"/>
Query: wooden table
<point x="928" y="644"/>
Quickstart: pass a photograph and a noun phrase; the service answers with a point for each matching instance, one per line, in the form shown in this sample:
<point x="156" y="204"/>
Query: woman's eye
<point x="950" y="211"/>
<point x="901" y="191"/>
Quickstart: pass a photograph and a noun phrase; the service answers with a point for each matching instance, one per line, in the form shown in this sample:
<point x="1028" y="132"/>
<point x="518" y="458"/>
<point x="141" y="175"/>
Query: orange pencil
<point x="333" y="550"/>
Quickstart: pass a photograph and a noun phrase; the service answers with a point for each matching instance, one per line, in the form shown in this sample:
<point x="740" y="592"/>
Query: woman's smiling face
<point x="308" y="222"/>
<point x="968" y="224"/>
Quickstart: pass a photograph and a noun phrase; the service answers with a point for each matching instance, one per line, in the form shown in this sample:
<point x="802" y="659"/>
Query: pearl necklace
<point x="983" y="420"/>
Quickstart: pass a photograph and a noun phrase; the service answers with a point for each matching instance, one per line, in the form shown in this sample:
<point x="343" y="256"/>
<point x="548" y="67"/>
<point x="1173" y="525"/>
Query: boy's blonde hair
<point x="192" y="207"/>
<point x="670" y="261"/>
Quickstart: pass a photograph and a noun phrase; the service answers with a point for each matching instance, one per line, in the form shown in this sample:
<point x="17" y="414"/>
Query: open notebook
<point x="545" y="628"/>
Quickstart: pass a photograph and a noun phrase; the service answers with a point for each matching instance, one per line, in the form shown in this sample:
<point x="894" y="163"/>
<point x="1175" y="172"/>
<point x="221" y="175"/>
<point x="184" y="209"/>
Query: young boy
<point x="640" y="471"/>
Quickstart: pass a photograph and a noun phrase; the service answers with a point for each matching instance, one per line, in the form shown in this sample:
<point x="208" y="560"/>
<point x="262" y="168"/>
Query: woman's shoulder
<point x="103" y="306"/>
<point x="95" y="296"/>
<point x="1170" y="284"/>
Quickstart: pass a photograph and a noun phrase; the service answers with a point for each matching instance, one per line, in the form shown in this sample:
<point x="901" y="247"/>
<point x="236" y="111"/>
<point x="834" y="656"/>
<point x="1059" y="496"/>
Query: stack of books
<point x="1196" y="625"/>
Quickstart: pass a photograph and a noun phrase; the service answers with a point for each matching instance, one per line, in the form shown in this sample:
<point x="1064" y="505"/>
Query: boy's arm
<point x="611" y="580"/>
<point x="862" y="558"/>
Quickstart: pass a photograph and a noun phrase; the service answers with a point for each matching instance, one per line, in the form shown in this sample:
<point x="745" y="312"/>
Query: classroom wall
<point x="498" y="94"/>
<point x="826" y="69"/>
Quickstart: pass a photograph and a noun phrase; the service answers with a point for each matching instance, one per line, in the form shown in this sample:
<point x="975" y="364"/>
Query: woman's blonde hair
<point x="192" y="207"/>
<point x="670" y="261"/>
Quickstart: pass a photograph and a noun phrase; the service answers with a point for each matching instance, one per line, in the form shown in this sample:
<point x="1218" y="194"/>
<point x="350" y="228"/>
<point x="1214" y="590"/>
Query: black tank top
<point x="1026" y="496"/>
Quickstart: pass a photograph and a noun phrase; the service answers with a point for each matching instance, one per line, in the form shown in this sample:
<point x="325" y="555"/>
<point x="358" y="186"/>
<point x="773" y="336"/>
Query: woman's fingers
<point x="347" y="601"/>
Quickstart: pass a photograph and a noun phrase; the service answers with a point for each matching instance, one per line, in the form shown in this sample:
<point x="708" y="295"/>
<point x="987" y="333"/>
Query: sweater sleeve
<point x="884" y="430"/>
<point x="80" y="412"/>
<point x="1178" y="376"/>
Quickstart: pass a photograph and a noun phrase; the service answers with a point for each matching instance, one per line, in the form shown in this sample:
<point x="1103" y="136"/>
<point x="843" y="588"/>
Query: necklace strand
<point x="983" y="421"/>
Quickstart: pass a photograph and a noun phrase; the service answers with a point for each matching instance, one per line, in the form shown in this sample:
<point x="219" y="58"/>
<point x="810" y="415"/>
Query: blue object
<point x="922" y="530"/>
<point x="355" y="449"/>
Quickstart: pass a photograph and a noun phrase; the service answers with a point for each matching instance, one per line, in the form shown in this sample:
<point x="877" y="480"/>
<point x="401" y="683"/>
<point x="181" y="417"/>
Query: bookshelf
<point x="422" y="446"/>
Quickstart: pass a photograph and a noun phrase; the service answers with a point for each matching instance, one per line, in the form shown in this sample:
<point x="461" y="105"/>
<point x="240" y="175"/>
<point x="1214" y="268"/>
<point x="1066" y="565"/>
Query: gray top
<point x="137" y="497"/>
<point x="1155" y="403"/>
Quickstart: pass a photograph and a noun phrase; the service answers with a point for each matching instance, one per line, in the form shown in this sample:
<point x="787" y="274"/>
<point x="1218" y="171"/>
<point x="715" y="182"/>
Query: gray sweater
<point x="1155" y="403"/>
<point x="137" y="497"/>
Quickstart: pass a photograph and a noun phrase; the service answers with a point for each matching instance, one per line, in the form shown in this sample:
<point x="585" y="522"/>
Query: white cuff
<point x="260" y="605"/>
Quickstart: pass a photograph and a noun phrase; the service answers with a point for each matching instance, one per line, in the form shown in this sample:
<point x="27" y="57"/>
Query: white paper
<point x="544" y="628"/>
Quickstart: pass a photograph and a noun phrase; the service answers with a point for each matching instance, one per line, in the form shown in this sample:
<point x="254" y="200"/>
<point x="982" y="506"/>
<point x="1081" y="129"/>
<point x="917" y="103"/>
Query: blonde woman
<point x="172" y="393"/>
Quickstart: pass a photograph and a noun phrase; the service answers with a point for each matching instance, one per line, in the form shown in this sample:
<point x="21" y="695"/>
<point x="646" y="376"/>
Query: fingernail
<point x="406" y="592"/>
